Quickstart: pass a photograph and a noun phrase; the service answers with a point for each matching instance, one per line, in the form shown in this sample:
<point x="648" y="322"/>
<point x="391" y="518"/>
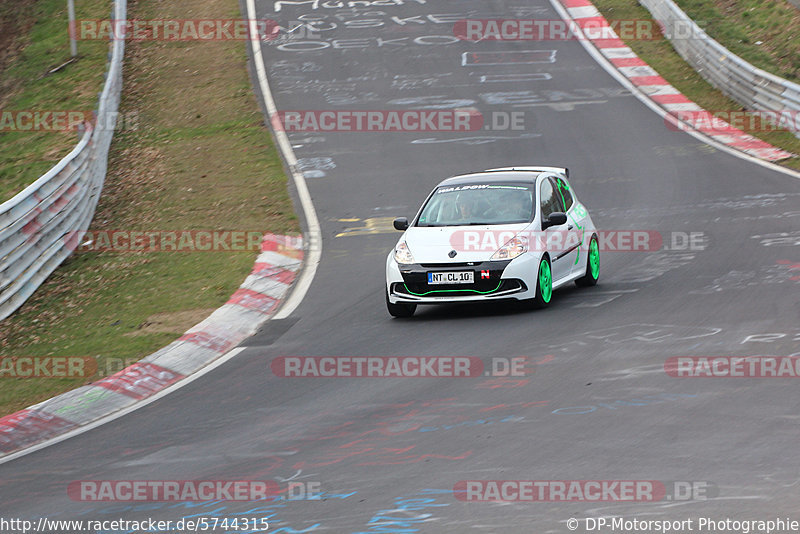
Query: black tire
<point x="401" y="309"/>
<point x="592" y="274"/>
<point x="542" y="298"/>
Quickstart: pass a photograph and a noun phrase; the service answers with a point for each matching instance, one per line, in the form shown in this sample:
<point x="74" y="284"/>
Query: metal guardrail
<point x="40" y="225"/>
<point x="753" y="88"/>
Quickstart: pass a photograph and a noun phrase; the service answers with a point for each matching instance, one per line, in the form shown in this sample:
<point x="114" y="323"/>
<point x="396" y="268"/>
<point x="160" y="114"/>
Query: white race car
<point x="510" y="233"/>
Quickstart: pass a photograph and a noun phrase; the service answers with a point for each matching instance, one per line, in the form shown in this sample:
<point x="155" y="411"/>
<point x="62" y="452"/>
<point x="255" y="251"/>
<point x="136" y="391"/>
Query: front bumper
<point x="493" y="280"/>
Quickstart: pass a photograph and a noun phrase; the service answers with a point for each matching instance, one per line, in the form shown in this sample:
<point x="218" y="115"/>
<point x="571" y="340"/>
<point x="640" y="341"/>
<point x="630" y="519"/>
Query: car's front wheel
<point x="592" y="265"/>
<point x="544" y="285"/>
<point x="401" y="309"/>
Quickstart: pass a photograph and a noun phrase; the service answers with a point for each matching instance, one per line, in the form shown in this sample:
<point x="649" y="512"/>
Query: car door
<point x="555" y="236"/>
<point x="576" y="225"/>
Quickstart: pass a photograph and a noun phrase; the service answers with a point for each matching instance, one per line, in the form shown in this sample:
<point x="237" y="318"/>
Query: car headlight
<point x="402" y="254"/>
<point x="517" y="245"/>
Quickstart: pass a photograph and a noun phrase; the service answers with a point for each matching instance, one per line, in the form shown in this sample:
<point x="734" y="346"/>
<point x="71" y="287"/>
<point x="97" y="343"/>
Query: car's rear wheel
<point x="544" y="285"/>
<point x="592" y="265"/>
<point x="401" y="309"/>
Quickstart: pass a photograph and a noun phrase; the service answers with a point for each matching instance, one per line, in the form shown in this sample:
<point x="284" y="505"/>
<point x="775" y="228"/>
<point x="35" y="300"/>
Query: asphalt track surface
<point x="387" y="453"/>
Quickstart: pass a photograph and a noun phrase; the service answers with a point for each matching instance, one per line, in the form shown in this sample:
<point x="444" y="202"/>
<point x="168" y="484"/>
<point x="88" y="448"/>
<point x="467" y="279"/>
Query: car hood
<point x="471" y="243"/>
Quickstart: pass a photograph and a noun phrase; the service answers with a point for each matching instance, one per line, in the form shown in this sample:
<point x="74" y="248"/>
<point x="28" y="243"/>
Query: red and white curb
<point x="250" y="306"/>
<point x="657" y="89"/>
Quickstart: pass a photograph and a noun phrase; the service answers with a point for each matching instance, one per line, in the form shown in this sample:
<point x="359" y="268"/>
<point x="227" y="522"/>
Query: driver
<point x="467" y="207"/>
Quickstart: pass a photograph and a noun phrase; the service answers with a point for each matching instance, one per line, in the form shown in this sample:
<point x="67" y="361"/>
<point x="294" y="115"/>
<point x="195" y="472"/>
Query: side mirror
<point x="555" y="219"/>
<point x="401" y="223"/>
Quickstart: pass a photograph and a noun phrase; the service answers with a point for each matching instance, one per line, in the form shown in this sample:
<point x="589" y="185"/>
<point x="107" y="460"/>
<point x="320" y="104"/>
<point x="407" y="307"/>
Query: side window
<point x="566" y="194"/>
<point x="549" y="199"/>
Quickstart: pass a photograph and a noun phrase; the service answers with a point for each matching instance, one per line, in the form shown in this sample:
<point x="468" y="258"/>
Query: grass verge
<point x="199" y="159"/>
<point x="33" y="41"/>
<point x="660" y="55"/>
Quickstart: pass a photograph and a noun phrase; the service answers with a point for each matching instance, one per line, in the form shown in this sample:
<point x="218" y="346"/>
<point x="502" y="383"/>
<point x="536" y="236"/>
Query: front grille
<point x="480" y="287"/>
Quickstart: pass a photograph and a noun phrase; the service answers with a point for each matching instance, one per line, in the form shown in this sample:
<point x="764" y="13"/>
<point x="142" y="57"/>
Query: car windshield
<point x="478" y="204"/>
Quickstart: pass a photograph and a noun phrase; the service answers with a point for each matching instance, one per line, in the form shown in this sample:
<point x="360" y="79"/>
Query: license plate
<point x="460" y="277"/>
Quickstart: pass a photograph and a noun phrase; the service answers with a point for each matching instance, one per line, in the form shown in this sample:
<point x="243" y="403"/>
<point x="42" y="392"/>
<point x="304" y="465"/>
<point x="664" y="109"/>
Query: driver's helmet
<point x="466" y="205"/>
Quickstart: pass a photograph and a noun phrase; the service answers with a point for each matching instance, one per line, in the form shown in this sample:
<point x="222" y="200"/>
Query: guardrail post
<point x="73" y="43"/>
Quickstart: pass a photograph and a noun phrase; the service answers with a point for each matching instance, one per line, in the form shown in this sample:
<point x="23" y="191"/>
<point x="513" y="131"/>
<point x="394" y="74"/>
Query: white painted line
<point x="638" y="70"/>
<point x="654" y="90"/>
<point x="522" y="77"/>
<point x="682" y="106"/>
<point x="314" y="241"/>
<point x="616" y="53"/>
<point x="125" y="411"/>
<point x="583" y="12"/>
<point x="507" y="57"/>
<point x="606" y="64"/>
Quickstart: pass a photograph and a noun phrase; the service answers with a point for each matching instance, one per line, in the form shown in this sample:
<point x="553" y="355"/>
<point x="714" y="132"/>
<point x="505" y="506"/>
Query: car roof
<point x="488" y="177"/>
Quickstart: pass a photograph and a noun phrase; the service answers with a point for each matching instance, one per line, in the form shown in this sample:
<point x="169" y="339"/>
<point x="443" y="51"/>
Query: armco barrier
<point x="34" y="224"/>
<point x="753" y="88"/>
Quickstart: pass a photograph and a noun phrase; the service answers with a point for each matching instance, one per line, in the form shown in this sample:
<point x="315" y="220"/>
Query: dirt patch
<point x="171" y="323"/>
